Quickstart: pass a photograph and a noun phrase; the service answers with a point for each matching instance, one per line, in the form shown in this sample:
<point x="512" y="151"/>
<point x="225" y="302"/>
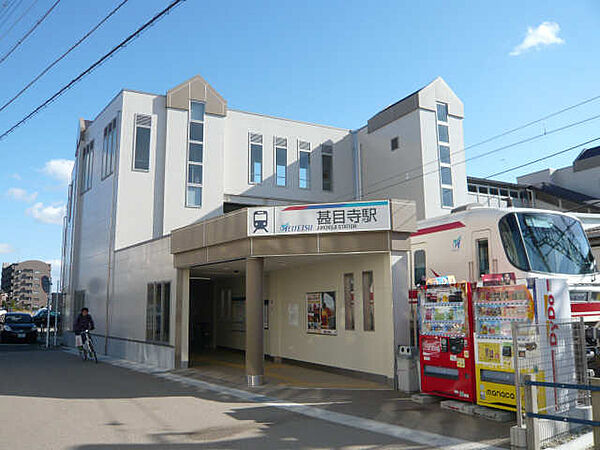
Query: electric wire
<point x="61" y="57"/>
<point x="28" y="33"/>
<point x="481" y="155"/>
<point x="4" y="20"/>
<point x="16" y="22"/>
<point x="6" y="8"/>
<point x="96" y="64"/>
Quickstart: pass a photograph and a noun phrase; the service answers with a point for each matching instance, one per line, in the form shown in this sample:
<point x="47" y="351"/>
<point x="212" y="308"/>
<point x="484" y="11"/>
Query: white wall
<point x="136" y="193"/>
<point x="92" y="239"/>
<point x="366" y="351"/>
<point x="237" y="158"/>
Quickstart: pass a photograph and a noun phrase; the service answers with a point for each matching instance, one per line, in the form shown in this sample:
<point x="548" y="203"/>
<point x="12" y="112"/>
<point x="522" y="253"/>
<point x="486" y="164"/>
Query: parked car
<point x="17" y="327"/>
<point x="40" y="318"/>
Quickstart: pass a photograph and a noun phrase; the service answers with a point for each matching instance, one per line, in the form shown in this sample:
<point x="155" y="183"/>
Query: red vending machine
<point x="446" y="339"/>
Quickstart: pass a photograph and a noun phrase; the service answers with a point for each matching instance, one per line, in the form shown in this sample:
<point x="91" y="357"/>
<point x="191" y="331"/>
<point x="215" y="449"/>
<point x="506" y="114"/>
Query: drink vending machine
<point x="445" y="339"/>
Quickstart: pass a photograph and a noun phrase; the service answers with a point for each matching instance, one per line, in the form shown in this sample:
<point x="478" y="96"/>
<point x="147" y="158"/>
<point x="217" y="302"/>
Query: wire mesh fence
<point x="555" y="353"/>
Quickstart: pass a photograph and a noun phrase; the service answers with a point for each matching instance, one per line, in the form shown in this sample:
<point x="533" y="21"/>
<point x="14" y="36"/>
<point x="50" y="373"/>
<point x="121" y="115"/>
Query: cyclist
<point x="84" y="322"/>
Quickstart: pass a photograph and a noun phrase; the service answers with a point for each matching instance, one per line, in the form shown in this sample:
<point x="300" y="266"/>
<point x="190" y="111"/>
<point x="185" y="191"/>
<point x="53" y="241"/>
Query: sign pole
<point x="46" y="286"/>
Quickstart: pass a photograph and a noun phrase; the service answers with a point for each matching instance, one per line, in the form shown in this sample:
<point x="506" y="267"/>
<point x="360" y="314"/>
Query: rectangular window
<point x="256" y="157"/>
<point x="447" y="198"/>
<point x="195" y="156"/>
<point x="483" y="258"/>
<point x="327" y="166"/>
<point x="446" y="174"/>
<point x="368" y="301"/>
<point x="143" y="128"/>
<point x="395" y="143"/>
<point x="349" y="300"/>
<point x="443" y="133"/>
<point x="472" y="188"/>
<point x="304" y="164"/>
<point x="87" y="163"/>
<point x="444" y="154"/>
<point x="109" y="145"/>
<point x="280" y="161"/>
<point x="158" y="311"/>
<point x="420" y="267"/>
<point x="442" y="112"/>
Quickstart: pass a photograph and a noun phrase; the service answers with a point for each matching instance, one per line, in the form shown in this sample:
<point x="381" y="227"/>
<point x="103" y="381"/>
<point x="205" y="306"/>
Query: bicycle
<point x="88" y="351"/>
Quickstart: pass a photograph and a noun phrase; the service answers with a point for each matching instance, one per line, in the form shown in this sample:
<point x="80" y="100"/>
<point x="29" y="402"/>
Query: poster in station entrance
<point x="319" y="218"/>
<point x="320" y="312"/>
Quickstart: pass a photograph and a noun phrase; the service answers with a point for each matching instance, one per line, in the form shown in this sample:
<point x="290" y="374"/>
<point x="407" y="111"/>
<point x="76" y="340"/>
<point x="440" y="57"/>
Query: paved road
<point x="52" y="400"/>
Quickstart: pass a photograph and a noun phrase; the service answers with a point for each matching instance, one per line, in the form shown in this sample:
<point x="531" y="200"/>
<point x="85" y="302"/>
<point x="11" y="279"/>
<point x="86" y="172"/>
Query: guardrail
<point x="532" y="415"/>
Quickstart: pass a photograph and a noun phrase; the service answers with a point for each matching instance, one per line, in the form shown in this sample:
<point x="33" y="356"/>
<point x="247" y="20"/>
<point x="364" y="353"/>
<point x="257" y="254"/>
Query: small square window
<point x="443" y="133"/>
<point x="494" y="191"/>
<point x="444" y="154"/>
<point x="446" y="174"/>
<point x="483" y="190"/>
<point x="503" y="193"/>
<point x="472" y="188"/>
<point x="196" y="152"/>
<point x="447" y="197"/>
<point x="442" y="112"/>
<point x="196" y="131"/>
<point x="197" y="111"/>
<point x="395" y="143"/>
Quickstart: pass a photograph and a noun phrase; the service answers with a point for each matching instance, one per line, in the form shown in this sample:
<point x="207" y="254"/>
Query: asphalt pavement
<point x="53" y="400"/>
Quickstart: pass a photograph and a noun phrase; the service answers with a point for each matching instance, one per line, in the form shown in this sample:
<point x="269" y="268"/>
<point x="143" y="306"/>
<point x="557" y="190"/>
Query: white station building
<point x="193" y="226"/>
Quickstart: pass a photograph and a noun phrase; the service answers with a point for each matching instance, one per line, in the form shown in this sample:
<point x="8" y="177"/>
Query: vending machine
<point x="495" y="308"/>
<point x="445" y="340"/>
<point x="496" y="305"/>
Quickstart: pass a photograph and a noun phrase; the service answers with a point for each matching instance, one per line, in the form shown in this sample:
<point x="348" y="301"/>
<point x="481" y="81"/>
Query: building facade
<point x="22" y="283"/>
<point x="150" y="164"/>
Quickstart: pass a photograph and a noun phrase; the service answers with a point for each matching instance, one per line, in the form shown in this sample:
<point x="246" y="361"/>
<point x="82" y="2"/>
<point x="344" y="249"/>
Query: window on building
<point x="349" y="300"/>
<point x="256" y="157"/>
<point x="483" y="190"/>
<point x="158" y="311"/>
<point x="493" y="191"/>
<point x="143" y="130"/>
<point x="327" y="166"/>
<point x="503" y="193"/>
<point x="280" y="161"/>
<point x="483" y="257"/>
<point x="109" y="144"/>
<point x="443" y="133"/>
<point x="87" y="162"/>
<point x="395" y="143"/>
<point x="368" y="301"/>
<point x="472" y="188"/>
<point x="444" y="154"/>
<point x="304" y="164"/>
<point x="195" y="157"/>
<point x="447" y="198"/>
<point x="446" y="174"/>
<point x="442" y="112"/>
<point x="420" y="268"/>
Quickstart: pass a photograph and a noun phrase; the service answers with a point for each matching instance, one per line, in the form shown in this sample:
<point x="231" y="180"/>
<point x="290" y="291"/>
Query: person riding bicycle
<point x="84" y="322"/>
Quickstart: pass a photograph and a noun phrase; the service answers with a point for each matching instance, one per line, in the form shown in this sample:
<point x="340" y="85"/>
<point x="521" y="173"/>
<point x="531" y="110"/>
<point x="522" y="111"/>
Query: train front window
<point x="544" y="242"/>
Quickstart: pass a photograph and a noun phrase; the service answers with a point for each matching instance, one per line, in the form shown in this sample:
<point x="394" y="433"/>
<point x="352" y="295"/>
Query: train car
<point x="475" y="240"/>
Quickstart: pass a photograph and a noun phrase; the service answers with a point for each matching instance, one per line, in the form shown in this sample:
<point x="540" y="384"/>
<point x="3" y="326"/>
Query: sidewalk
<point x="383" y="411"/>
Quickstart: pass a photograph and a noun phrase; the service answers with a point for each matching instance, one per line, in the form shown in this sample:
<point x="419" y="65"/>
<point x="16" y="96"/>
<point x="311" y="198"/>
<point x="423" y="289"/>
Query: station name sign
<point x="319" y="218"/>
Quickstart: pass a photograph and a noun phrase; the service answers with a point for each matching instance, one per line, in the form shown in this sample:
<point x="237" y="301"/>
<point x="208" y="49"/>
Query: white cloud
<point x="55" y="266"/>
<point x="545" y="34"/>
<point x="21" y="195"/>
<point x="60" y="169"/>
<point x="5" y="248"/>
<point x="47" y="214"/>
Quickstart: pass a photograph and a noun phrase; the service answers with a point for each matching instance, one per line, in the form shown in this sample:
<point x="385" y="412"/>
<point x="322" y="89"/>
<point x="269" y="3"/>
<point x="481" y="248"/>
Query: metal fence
<point x="551" y="365"/>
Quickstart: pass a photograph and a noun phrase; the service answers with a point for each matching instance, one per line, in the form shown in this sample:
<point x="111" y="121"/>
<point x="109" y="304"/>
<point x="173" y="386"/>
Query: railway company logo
<point x="456" y="243"/>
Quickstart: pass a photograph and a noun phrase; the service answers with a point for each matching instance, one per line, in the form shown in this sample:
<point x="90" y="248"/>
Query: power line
<point x="31" y="30"/>
<point x="61" y="57"/>
<point x="6" y="8"/>
<point x="10" y="12"/>
<point x="543" y="158"/>
<point x="98" y="62"/>
<point x="16" y="22"/>
<point x="481" y="155"/>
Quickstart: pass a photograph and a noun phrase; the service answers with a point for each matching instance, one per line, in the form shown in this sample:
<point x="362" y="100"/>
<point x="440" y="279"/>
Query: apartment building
<point x="22" y="283"/>
<point x="155" y="237"/>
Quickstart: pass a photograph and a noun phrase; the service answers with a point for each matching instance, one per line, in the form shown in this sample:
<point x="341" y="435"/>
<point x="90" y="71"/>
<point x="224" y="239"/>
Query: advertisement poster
<point x="320" y="309"/>
<point x="319" y="218"/>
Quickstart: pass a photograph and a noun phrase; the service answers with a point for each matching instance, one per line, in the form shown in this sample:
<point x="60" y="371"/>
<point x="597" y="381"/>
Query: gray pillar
<point x="255" y="369"/>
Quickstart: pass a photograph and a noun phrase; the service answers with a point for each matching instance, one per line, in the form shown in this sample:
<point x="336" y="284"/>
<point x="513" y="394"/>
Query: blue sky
<point x="335" y="62"/>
